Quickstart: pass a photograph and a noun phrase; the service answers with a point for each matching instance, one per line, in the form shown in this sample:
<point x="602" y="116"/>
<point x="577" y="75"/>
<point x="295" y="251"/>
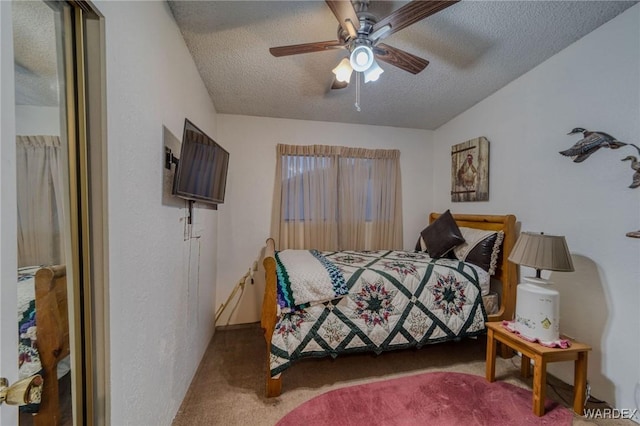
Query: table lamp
<point x="537" y="303"/>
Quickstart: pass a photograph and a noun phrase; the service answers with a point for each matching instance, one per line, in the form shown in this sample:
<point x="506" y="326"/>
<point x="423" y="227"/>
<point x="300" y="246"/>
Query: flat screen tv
<point x="201" y="174"/>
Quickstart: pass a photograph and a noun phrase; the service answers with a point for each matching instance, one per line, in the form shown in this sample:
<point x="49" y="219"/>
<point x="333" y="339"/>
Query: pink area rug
<point x="427" y="399"/>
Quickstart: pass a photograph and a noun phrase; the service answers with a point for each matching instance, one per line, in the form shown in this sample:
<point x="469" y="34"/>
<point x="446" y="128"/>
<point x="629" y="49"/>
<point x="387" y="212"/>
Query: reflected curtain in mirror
<point x="39" y="192"/>
<point x="199" y="155"/>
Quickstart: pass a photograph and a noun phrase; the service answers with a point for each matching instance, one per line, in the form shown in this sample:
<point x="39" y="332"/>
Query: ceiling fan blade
<point x="346" y="15"/>
<point x="295" y="49"/>
<point x="401" y="59"/>
<point x="411" y="13"/>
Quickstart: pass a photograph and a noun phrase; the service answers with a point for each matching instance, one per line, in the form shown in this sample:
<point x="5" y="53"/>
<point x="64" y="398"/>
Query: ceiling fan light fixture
<point x="343" y="70"/>
<point x="361" y="58"/>
<point x="373" y="73"/>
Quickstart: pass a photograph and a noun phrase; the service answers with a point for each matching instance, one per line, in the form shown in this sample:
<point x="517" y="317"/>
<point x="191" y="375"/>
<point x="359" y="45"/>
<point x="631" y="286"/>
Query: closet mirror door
<point x="47" y="234"/>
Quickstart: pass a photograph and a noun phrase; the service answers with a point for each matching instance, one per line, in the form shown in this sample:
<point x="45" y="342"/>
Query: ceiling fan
<point x="360" y="32"/>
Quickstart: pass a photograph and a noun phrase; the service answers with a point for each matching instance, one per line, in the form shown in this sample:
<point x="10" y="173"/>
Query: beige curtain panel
<point x="337" y="198"/>
<point x="40" y="200"/>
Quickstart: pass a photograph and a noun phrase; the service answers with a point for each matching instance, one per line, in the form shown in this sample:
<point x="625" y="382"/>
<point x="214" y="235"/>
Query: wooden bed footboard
<point x="269" y="313"/>
<point x="506" y="274"/>
<point x="52" y="319"/>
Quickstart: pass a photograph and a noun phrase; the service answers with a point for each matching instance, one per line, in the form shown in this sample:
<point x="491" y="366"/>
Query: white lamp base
<point x="538" y="311"/>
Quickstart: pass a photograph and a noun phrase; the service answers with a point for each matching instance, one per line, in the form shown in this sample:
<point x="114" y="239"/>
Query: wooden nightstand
<point x="540" y="355"/>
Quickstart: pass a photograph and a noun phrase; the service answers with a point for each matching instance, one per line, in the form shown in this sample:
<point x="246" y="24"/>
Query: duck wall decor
<point x="635" y="165"/>
<point x="593" y="141"/>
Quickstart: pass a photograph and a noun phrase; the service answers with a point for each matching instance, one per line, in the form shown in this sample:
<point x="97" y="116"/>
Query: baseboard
<point x="237" y="326"/>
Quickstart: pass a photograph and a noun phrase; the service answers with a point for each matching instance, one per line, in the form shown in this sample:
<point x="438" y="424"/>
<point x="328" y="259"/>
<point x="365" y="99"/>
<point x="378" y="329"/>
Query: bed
<point x="417" y="300"/>
<point x="43" y="323"/>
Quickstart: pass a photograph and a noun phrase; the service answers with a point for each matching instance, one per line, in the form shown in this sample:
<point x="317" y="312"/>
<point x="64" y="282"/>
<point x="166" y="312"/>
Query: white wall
<point x="245" y="217"/>
<point x="162" y="288"/>
<point x="594" y="84"/>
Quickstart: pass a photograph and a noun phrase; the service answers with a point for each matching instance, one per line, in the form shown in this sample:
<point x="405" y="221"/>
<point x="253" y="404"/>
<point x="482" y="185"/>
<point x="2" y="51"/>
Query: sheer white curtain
<point x="305" y="204"/>
<point x="39" y="200"/>
<point x="354" y="182"/>
<point x="370" y="207"/>
<point x="337" y="198"/>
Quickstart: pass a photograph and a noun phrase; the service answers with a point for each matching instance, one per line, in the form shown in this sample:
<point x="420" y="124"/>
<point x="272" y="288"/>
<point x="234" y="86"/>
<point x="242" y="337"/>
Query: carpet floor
<point x="228" y="388"/>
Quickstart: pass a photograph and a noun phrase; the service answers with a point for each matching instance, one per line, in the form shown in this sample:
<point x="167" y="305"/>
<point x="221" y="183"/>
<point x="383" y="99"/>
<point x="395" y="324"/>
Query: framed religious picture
<point x="470" y="170"/>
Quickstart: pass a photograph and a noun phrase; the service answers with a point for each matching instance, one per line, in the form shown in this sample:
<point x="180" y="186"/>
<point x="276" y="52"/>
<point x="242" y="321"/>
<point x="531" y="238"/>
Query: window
<point x="333" y="198"/>
<point x="302" y="172"/>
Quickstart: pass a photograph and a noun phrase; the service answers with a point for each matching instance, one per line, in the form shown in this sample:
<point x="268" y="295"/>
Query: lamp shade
<point x="542" y="251"/>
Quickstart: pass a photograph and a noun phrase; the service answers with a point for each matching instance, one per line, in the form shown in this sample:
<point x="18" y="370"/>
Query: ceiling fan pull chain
<point x="357" y="104"/>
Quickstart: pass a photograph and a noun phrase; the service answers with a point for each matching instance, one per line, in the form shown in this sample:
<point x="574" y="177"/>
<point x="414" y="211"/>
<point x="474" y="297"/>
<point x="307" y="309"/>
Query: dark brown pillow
<point x="442" y="235"/>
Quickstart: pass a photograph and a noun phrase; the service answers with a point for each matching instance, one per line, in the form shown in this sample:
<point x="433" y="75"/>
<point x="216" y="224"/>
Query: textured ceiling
<point x="36" y="67"/>
<point x="474" y="49"/>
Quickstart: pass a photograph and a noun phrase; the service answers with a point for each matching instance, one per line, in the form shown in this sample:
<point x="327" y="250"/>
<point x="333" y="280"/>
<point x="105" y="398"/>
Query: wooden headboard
<point x="506" y="272"/>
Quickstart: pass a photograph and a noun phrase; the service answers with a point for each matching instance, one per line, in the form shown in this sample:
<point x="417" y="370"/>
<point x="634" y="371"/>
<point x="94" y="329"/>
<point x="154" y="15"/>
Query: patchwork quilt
<point x="29" y="359"/>
<point x="28" y="355"/>
<point x="387" y="300"/>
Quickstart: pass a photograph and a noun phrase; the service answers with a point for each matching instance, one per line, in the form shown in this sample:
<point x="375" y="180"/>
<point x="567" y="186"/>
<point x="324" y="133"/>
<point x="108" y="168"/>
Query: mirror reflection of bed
<point x="44" y="342"/>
